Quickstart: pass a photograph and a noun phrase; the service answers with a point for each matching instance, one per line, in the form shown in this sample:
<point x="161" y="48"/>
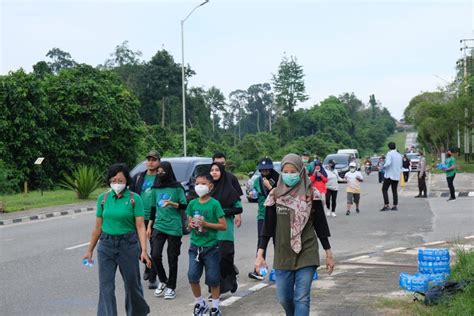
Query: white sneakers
<point x="328" y="213"/>
<point x="170" y="294"/>
<point x="162" y="290"/>
<point x="333" y="214"/>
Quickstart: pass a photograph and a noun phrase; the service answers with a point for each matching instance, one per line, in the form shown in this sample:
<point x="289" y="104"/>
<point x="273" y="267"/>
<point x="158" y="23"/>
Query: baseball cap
<point x="154" y="154"/>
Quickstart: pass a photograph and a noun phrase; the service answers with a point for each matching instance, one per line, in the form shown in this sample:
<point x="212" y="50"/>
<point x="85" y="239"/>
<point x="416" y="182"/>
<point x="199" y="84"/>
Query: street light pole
<point x="182" y="75"/>
<point x="467" y="150"/>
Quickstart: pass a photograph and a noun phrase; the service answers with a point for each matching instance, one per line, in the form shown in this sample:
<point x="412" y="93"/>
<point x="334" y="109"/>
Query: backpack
<point x="436" y="294"/>
<point x="132" y="199"/>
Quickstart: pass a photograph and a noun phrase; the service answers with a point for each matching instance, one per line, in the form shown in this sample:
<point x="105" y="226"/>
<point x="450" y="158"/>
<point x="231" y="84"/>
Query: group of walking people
<point x="147" y="209"/>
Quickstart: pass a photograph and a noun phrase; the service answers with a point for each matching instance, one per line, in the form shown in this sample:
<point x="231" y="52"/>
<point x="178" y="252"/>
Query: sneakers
<point x="418" y="196"/>
<point x="200" y="310"/>
<point x="394" y="208"/>
<point x="328" y="213"/>
<point x="450" y="199"/>
<point x="215" y="312"/>
<point x="357" y="210"/>
<point x="333" y="214"/>
<point x="348" y="213"/>
<point x="254" y="275"/>
<point x="385" y="208"/>
<point x="170" y="294"/>
<point x="152" y="284"/>
<point x="160" y="289"/>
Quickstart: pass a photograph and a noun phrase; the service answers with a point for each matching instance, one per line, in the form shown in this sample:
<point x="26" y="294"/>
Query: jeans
<point x="381" y="176"/>
<point x="387" y="183"/>
<point x="122" y="251"/>
<point x="151" y="271"/>
<point x="451" y="186"/>
<point x="173" y="252"/>
<point x="294" y="290"/>
<point x="204" y="257"/>
<point x="331" y="198"/>
<point x="422" y="184"/>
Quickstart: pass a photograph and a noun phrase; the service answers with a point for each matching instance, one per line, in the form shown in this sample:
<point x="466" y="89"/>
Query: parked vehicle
<point x="375" y="163"/>
<point x="342" y="163"/>
<point x="414" y="161"/>
<point x="251" y="197"/>
<point x="185" y="169"/>
<point x="353" y="153"/>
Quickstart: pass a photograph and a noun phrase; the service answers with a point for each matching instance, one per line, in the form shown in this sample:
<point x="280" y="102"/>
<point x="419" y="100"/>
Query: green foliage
<point x="9" y="180"/>
<point x="84" y="181"/>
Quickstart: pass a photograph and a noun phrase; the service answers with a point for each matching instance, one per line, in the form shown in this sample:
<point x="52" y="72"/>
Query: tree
<point x="238" y="101"/>
<point x="215" y="102"/>
<point x="60" y="60"/>
<point x="123" y="55"/>
<point x="288" y="85"/>
<point x="259" y="105"/>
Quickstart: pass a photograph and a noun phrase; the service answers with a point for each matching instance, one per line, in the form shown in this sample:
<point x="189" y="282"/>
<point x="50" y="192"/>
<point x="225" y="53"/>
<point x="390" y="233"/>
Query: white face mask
<point x="352" y="169"/>
<point x="201" y="189"/>
<point x="117" y="187"/>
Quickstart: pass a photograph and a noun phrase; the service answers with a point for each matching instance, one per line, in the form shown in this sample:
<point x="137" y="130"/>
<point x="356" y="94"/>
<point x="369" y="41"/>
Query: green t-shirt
<point x="228" y="234"/>
<point x="451" y="161"/>
<point x="148" y="182"/>
<point x="118" y="214"/>
<point x="260" y="198"/>
<point x="211" y="210"/>
<point x="168" y="219"/>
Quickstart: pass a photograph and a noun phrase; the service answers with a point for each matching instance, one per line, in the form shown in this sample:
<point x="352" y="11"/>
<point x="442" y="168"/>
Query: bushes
<point x="84" y="181"/>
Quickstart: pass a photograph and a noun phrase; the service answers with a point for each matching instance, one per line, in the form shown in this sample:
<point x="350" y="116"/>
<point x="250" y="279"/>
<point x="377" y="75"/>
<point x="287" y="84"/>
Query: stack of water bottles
<point x="271" y="277"/>
<point x="433" y="267"/>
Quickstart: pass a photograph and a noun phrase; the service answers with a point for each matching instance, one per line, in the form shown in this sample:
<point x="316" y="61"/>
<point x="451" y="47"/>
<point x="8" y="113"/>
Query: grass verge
<point x="462" y="166"/>
<point x="398" y="138"/>
<point x="460" y="304"/>
<point x="34" y="199"/>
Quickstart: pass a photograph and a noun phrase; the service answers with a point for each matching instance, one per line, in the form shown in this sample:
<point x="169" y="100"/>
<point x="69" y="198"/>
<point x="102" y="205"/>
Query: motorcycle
<point x="367" y="168"/>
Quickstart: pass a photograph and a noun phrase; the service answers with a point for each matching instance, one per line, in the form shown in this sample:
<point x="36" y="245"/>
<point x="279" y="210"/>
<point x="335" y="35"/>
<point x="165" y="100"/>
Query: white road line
<point x="358" y="258"/>
<point x="434" y="243"/>
<point x="470" y="194"/>
<point x="394" y="249"/>
<point x="78" y="246"/>
<point x="469" y="237"/>
<point x="230" y="300"/>
<point x="258" y="287"/>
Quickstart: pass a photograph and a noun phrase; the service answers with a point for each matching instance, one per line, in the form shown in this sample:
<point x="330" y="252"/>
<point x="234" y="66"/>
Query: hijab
<point x="223" y="190"/>
<point x="322" y="170"/>
<point x="299" y="199"/>
<point x="168" y="180"/>
<point x="274" y="175"/>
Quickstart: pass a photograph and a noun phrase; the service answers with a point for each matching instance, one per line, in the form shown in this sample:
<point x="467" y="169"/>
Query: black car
<point x="342" y="163"/>
<point x="186" y="169"/>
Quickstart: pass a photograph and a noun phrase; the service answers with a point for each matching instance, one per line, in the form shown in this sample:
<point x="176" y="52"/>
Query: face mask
<point x="291" y="179"/>
<point x="352" y="169"/>
<point x="331" y="167"/>
<point x="117" y="187"/>
<point x="305" y="160"/>
<point x="449" y="155"/>
<point x="201" y="189"/>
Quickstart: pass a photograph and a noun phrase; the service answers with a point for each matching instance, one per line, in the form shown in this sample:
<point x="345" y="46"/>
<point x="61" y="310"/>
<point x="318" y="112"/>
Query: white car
<point x="414" y="161"/>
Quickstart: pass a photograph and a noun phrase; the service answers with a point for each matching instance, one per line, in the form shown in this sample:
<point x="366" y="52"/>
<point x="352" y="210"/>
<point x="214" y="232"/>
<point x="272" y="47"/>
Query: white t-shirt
<point x="332" y="180"/>
<point x="353" y="185"/>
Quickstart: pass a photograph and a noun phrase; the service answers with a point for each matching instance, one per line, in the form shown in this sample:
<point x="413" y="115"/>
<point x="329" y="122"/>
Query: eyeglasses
<point x="117" y="181"/>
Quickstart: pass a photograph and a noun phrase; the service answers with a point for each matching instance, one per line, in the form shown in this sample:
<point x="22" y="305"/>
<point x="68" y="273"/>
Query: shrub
<point x="84" y="181"/>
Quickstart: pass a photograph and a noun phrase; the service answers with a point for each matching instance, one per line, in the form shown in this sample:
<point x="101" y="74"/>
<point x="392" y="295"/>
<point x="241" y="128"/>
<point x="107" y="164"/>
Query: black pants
<point x="381" y="176"/>
<point x="394" y="184"/>
<point x="228" y="269"/>
<point x="331" y="197"/>
<point x="405" y="175"/>
<point x="151" y="271"/>
<point x="260" y="223"/>
<point x="173" y="251"/>
<point x="422" y="184"/>
<point x="451" y="186"/>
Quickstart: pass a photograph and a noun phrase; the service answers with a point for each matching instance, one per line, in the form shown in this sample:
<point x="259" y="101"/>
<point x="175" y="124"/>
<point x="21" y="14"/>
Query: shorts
<point x="204" y="257"/>
<point x="353" y="197"/>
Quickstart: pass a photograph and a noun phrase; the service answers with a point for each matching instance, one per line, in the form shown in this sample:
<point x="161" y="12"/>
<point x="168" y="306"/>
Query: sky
<point x="393" y="49"/>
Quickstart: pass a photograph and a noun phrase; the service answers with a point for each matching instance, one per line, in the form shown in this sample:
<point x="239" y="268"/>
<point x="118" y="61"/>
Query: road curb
<point x="31" y="218"/>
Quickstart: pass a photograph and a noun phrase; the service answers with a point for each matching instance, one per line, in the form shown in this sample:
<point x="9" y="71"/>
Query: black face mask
<point x="449" y="155"/>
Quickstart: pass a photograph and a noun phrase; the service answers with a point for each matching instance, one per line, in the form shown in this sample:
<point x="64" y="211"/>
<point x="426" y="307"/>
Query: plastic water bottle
<point x="272" y="275"/>
<point x="88" y="263"/>
<point x="263" y="271"/>
<point x="197" y="215"/>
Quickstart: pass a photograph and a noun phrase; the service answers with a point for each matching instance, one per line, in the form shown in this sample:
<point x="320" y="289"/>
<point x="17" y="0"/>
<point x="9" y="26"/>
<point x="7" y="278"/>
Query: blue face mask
<point x="291" y="179"/>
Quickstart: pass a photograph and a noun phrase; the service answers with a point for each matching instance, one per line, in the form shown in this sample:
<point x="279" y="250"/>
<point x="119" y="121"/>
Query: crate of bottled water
<point x="420" y="282"/>
<point x="433" y="260"/>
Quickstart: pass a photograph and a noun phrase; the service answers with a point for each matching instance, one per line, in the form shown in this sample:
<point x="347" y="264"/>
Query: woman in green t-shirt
<point x="168" y="201"/>
<point x="292" y="216"/>
<point x="119" y="219"/>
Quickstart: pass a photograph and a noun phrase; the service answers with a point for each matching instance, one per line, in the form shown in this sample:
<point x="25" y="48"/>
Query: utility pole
<point x="468" y="150"/>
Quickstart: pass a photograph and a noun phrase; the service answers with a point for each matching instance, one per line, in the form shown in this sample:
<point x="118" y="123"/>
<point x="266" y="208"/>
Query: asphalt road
<point x="41" y="276"/>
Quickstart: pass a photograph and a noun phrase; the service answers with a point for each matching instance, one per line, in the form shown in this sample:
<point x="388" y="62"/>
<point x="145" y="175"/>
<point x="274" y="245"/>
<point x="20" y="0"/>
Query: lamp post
<point x="467" y="150"/>
<point x="182" y="74"/>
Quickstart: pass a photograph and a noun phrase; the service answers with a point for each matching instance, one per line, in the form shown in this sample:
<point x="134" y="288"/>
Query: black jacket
<point x="137" y="182"/>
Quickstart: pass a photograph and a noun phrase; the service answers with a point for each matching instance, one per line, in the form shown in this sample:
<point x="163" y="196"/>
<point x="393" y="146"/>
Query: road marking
<point x="258" y="287"/>
<point x="469" y="237"/>
<point x="470" y="194"/>
<point x="358" y="258"/>
<point x="230" y="300"/>
<point x="434" y="243"/>
<point x="78" y="246"/>
<point x="394" y="249"/>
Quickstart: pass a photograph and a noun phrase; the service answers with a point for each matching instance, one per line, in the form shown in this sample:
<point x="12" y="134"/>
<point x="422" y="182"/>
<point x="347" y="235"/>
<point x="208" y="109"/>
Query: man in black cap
<point x="142" y="184"/>
<point x="263" y="184"/>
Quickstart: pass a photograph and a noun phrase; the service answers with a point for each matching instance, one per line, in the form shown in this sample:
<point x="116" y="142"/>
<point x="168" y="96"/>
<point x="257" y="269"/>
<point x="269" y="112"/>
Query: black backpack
<point x="436" y="294"/>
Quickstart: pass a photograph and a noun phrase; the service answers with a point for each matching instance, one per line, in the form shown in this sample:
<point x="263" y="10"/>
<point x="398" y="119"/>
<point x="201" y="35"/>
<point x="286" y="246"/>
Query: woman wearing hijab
<point x="267" y="180"/>
<point x="229" y="198"/>
<point x="319" y="178"/>
<point x="292" y="216"/>
<point x="168" y="200"/>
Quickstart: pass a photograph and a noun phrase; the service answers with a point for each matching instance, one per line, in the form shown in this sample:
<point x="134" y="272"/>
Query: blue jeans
<point x="204" y="257"/>
<point x="294" y="290"/>
<point x="122" y="251"/>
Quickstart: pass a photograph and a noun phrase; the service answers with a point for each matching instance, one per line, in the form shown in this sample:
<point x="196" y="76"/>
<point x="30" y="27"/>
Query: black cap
<point x="265" y="164"/>
<point x="154" y="154"/>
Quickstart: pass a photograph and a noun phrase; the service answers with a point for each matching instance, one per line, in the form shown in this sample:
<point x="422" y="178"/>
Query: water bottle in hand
<point x="88" y="263"/>
<point x="263" y="271"/>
